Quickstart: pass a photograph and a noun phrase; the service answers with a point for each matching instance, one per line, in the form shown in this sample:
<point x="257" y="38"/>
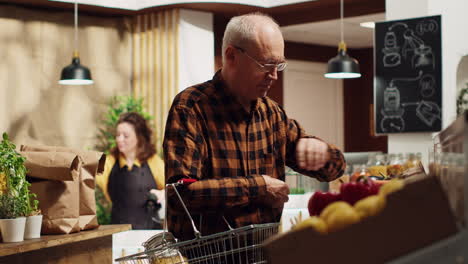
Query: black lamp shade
<point x="76" y="74"/>
<point x="342" y="66"/>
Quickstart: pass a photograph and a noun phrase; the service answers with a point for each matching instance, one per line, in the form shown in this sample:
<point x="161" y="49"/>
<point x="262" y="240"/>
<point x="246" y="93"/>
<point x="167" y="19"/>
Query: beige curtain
<point x="155" y="55"/>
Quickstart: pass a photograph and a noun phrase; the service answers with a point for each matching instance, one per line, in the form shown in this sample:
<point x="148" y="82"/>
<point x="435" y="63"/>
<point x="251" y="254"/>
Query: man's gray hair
<point x="240" y="31"/>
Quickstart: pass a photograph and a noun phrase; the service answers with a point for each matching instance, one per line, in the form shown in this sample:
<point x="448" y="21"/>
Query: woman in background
<point x="133" y="177"/>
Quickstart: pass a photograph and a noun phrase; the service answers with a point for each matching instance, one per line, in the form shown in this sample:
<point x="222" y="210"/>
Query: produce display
<point x="330" y="211"/>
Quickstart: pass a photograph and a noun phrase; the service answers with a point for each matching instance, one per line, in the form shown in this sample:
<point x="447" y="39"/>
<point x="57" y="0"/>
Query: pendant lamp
<point x="342" y="66"/>
<point x="75" y="73"/>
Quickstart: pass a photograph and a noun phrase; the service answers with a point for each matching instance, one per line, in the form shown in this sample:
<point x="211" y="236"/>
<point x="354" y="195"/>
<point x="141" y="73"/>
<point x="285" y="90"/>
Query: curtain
<point x="154" y="69"/>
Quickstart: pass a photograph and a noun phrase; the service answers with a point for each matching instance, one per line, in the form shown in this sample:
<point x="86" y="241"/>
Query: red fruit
<point x="354" y="191"/>
<point x="374" y="187"/>
<point x="319" y="200"/>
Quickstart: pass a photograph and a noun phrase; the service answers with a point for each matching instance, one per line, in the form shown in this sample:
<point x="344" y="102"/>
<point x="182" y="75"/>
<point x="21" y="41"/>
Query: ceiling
<point x="303" y="21"/>
<point x="327" y="33"/>
<point x="142" y="4"/>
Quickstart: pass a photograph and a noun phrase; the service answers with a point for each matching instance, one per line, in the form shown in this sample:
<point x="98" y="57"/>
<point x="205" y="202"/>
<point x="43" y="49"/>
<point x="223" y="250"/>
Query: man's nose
<point x="273" y="74"/>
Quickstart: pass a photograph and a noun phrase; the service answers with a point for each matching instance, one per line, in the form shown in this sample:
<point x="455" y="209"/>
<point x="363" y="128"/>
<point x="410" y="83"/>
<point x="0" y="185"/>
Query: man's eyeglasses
<point x="267" y="67"/>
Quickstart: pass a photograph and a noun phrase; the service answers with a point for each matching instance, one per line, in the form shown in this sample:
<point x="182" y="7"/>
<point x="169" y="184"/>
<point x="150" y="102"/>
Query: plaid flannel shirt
<point x="210" y="137"/>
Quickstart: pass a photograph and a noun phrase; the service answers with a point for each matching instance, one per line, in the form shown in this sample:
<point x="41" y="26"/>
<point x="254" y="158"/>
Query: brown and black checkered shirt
<point x="210" y="137"/>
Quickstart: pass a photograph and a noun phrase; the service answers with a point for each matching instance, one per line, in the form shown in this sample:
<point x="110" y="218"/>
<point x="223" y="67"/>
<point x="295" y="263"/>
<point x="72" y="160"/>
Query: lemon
<point x="391" y="186"/>
<point x="370" y="206"/>
<point x="339" y="215"/>
<point x="314" y="222"/>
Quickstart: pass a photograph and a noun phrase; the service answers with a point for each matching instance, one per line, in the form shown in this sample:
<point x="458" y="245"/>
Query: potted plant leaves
<point x="34" y="219"/>
<point x="15" y="198"/>
<point x="12" y="224"/>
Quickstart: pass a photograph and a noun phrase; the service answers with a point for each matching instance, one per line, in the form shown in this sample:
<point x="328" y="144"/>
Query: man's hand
<point x="277" y="192"/>
<point x="311" y="153"/>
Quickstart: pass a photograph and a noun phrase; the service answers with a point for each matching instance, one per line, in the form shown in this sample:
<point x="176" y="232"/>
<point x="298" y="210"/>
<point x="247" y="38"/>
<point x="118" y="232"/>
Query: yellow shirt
<point x="155" y="164"/>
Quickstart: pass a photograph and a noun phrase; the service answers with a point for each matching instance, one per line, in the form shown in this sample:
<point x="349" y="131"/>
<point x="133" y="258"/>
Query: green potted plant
<point x="12" y="224"/>
<point x="34" y="219"/>
<point x="15" y="198"/>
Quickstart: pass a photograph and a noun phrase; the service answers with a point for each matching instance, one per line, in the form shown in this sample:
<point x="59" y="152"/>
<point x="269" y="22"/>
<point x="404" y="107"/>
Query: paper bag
<point x="93" y="163"/>
<point x="51" y="165"/>
<point x="58" y="198"/>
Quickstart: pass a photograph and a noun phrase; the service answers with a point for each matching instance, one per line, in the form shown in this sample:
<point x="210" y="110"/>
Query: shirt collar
<point x="123" y="162"/>
<point x="235" y="109"/>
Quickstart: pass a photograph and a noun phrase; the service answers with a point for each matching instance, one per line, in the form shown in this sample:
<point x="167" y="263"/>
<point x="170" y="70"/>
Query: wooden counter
<point x="89" y="247"/>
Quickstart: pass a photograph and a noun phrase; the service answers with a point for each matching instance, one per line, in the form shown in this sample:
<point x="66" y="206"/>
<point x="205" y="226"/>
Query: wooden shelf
<point x="48" y="241"/>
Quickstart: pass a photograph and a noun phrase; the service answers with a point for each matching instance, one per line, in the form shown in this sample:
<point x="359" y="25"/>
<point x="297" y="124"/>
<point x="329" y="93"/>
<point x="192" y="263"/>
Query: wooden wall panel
<point x="358" y="99"/>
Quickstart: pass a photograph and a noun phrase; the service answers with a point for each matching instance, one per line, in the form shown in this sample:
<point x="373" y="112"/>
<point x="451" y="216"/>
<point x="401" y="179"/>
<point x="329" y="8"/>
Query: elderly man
<point x="235" y="141"/>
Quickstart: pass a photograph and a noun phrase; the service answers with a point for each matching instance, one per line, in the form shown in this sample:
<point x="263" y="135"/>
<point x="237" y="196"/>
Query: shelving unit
<point x="91" y="247"/>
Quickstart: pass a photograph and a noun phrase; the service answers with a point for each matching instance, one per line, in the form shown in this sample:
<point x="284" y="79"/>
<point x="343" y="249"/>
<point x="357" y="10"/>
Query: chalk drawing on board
<point x="422" y="53"/>
<point x="427" y="85"/>
<point x="427" y="26"/>
<point x="391" y="49"/>
<point x="392" y="124"/>
<point x="427" y="111"/>
<point x="393" y="111"/>
<point x="423" y="56"/>
<point x="407" y="88"/>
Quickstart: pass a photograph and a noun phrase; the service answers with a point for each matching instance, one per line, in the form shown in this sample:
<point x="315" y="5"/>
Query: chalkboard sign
<point x="408" y="84"/>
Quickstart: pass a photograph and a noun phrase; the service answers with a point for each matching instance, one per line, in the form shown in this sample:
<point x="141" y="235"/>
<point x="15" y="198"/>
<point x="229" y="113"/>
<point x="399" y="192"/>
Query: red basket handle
<point x="186" y="181"/>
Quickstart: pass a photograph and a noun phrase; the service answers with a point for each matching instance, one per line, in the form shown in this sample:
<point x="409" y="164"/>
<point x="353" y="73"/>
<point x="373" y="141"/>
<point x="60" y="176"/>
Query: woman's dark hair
<point x="145" y="148"/>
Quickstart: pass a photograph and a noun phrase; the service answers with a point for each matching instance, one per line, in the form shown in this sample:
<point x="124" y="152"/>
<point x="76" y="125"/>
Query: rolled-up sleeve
<point x="332" y="169"/>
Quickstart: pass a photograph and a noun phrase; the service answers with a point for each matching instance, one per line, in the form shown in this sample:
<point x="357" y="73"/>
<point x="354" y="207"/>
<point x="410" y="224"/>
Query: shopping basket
<point x="236" y="246"/>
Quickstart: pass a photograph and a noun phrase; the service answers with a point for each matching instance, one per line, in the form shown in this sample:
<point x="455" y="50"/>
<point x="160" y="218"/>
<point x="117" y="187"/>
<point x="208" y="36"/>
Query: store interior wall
<point x="36" y="45"/>
<point x="196" y="45"/>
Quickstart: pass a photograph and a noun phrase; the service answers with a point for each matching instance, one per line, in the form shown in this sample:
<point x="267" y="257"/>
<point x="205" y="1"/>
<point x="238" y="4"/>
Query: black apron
<point x="129" y="192"/>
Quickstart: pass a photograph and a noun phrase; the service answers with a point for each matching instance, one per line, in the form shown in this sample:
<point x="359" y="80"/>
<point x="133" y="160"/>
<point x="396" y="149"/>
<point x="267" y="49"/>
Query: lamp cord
<point x="76" y="27"/>
<point x="341" y="20"/>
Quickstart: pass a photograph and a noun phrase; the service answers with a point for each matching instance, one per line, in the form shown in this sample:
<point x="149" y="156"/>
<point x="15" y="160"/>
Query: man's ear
<point x="230" y="54"/>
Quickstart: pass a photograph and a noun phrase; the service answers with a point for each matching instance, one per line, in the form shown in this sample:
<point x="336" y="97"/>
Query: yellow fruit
<point x="391" y="186"/>
<point x="370" y="206"/>
<point x="313" y="222"/>
<point x="331" y="208"/>
<point x="179" y="259"/>
<point x="3" y="183"/>
<point x="339" y="215"/>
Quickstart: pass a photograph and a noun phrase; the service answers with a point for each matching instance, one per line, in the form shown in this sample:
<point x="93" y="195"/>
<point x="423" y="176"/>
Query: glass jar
<point x="379" y="168"/>
<point x="370" y="159"/>
<point x="410" y="160"/>
<point x="358" y="171"/>
<point x="395" y="165"/>
<point x="417" y="161"/>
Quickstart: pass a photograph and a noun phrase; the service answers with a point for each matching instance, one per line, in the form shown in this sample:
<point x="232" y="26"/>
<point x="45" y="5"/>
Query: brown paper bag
<point x="58" y="198"/>
<point x="51" y="165"/>
<point x="93" y="163"/>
